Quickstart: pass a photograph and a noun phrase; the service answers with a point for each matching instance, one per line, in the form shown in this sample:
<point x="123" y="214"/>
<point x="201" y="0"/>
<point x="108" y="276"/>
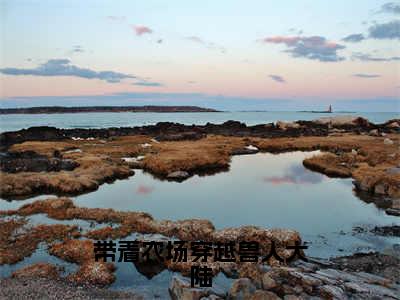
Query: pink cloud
<point x="144" y="190"/>
<point x="311" y="47"/>
<point x="139" y="30"/>
<point x="288" y="40"/>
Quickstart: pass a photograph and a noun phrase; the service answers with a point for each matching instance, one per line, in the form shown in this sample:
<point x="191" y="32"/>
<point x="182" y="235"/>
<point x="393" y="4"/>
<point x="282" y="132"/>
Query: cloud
<point x="148" y="83"/>
<point x="390" y="7"/>
<point x="390" y="30"/>
<point x="277" y="78"/>
<point x="354" y="38"/>
<point x="208" y="45"/>
<point x="368" y="57"/>
<point x="63" y="67"/>
<point x="295" y="31"/>
<point x="195" y="39"/>
<point x="361" y="75"/>
<point x="295" y="174"/>
<point x="77" y="49"/>
<point x="313" y="47"/>
<point x="116" y="18"/>
<point x="140" y="30"/>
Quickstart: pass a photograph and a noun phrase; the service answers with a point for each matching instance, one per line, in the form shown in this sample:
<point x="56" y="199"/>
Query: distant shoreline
<point x="94" y="109"/>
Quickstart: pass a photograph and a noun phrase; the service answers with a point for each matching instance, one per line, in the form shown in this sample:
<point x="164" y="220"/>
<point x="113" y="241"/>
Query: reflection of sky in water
<point x="40" y="255"/>
<point x="273" y="191"/>
<point x="262" y="189"/>
<point x="296" y="174"/>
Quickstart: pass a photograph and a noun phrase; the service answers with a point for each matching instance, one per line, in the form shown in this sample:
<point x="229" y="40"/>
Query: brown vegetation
<point x="365" y="158"/>
<point x="42" y="270"/>
<point x="81" y="251"/>
<point x="18" y="241"/>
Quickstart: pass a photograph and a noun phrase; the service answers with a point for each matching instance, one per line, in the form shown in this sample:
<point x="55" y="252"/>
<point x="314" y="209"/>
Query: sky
<point x="227" y="54"/>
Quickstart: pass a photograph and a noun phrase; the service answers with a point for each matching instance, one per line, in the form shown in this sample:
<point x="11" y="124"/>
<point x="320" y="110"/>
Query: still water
<point x="268" y="190"/>
<point x="109" y="119"/>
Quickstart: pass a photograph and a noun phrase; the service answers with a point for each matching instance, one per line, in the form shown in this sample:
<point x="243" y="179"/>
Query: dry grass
<point x="210" y="153"/>
<point x="100" y="160"/>
<point x="17" y="242"/>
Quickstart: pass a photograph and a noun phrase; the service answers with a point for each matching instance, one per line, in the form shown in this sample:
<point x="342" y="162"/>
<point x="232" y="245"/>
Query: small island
<point x="93" y="109"/>
<point x="328" y="111"/>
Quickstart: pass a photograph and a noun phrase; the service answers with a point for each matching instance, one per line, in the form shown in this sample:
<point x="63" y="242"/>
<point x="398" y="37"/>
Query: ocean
<point x="127" y="119"/>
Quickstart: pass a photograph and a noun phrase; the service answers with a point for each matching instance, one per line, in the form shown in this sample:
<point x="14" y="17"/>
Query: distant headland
<point x="92" y="109"/>
<point x="328" y="111"/>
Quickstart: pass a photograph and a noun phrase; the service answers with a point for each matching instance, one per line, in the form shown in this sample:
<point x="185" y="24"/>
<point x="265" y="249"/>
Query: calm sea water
<point x="102" y="120"/>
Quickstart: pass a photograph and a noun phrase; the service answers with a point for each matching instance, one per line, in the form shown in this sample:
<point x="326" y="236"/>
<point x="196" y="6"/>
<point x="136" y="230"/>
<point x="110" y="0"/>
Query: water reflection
<point x="268" y="190"/>
<point x="272" y="191"/>
<point x="144" y="190"/>
<point x="296" y="174"/>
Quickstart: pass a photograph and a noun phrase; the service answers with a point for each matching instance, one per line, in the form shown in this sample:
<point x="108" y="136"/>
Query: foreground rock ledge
<point x="300" y="281"/>
<point x="311" y="280"/>
<point x="81" y="251"/>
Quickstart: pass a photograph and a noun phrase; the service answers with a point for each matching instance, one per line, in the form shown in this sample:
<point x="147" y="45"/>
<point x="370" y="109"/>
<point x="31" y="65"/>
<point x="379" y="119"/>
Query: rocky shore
<point x="37" y="287"/>
<point x="300" y="280"/>
<point x="175" y="131"/>
<point x="360" y="276"/>
<point x="79" y="160"/>
<point x="45" y="160"/>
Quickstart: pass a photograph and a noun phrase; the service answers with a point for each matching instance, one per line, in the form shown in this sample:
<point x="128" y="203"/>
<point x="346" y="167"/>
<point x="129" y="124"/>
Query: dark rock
<point x="29" y="161"/>
<point x="150" y="268"/>
<point x="374" y="263"/>
<point x="242" y="288"/>
<point x="332" y="292"/>
<point x="176" y="131"/>
<point x="178" y="175"/>
<point x="393" y="230"/>
<point x="393" y="211"/>
<point x="190" y="135"/>
<point x="247" y="150"/>
<point x="180" y="288"/>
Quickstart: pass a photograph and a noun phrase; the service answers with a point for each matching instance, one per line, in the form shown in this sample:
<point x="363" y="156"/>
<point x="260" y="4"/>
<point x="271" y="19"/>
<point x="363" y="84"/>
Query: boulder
<point x="180" y="289"/>
<point x="388" y="141"/>
<point x="242" y="289"/>
<point x="250" y="149"/>
<point x="187" y="230"/>
<point x="393" y="125"/>
<point x="393" y="212"/>
<point x="29" y="161"/>
<point x="374" y="132"/>
<point x="178" y="175"/>
<point x="264" y="295"/>
<point x="286" y="125"/>
<point x="332" y="292"/>
<point x="267" y="282"/>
